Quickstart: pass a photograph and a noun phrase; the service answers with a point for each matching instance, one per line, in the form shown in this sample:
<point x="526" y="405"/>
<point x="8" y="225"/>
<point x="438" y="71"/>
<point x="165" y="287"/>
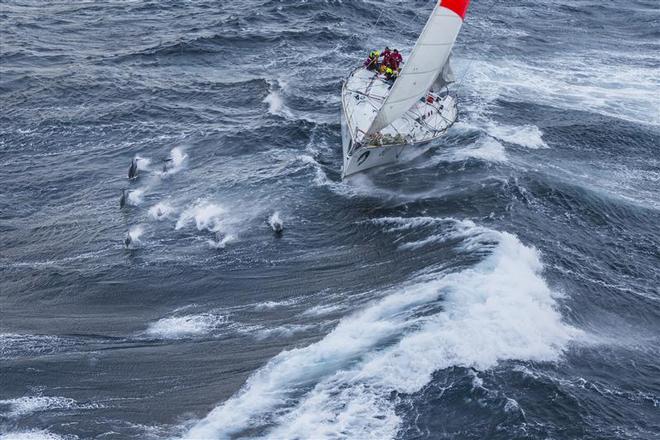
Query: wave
<point x="499" y="309"/>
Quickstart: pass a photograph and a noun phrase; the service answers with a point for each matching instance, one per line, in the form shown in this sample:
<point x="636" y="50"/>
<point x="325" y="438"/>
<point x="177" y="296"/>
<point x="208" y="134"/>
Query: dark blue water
<point x="503" y="285"/>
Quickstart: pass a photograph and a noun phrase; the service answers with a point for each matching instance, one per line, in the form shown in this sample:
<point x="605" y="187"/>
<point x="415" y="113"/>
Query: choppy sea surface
<point x="503" y="285"/>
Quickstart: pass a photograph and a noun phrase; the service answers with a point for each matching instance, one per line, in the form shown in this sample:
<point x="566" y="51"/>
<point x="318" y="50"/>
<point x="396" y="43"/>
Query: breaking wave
<point x="500" y="309"/>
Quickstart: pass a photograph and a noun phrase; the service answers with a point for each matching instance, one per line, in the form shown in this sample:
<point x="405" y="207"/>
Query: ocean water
<point x="503" y="285"/>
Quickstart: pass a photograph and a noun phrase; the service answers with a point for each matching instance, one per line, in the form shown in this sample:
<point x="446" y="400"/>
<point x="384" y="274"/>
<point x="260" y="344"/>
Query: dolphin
<point x="276" y="224"/>
<point x="123" y="198"/>
<point x="133" y="169"/>
<point x="278" y="227"/>
<point x="167" y="164"/>
<point x="128" y="240"/>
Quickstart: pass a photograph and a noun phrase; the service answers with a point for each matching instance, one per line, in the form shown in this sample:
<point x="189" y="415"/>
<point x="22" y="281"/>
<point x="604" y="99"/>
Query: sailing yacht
<point x="381" y="119"/>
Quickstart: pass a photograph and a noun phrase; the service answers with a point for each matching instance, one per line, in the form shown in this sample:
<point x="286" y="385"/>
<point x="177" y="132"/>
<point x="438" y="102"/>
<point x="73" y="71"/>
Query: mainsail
<point x="426" y="62"/>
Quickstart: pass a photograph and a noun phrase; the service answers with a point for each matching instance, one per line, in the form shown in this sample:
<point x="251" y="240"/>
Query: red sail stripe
<point x="458" y="6"/>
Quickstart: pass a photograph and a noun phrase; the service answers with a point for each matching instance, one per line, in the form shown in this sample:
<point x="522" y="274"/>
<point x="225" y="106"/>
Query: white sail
<point x="425" y="63"/>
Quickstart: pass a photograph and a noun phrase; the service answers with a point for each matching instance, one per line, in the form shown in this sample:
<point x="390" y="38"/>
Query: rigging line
<point x="459" y="83"/>
<point x="371" y="26"/>
<point x="380" y="15"/>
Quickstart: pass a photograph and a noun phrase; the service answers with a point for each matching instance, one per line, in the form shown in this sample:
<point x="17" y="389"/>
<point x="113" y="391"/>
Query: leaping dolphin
<point x="128" y="240"/>
<point x="276" y="224"/>
<point x="133" y="169"/>
<point x="167" y="164"/>
<point x="123" y="198"/>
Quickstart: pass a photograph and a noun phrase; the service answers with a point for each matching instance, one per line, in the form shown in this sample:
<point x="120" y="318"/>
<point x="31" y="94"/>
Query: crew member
<point x="372" y="61"/>
<point x="395" y="60"/>
<point x="386" y="56"/>
<point x="391" y="74"/>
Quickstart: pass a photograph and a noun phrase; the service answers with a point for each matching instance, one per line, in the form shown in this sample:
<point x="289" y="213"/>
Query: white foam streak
<point x="25" y="405"/>
<point x="176" y="327"/>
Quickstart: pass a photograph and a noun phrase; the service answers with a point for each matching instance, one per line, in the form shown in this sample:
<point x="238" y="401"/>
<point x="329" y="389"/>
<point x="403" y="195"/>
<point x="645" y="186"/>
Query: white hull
<point x="364" y="158"/>
<point x="423" y="123"/>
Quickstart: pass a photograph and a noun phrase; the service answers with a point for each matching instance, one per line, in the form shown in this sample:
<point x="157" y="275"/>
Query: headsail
<point x="445" y="77"/>
<point x="426" y="62"/>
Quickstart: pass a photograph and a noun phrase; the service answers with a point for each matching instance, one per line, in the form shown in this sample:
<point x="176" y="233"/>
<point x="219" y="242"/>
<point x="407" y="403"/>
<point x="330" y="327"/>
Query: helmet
<point x="389" y="71"/>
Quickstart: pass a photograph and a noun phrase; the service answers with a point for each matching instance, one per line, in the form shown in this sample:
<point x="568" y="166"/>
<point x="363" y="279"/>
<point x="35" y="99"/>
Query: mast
<point x="425" y="64"/>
